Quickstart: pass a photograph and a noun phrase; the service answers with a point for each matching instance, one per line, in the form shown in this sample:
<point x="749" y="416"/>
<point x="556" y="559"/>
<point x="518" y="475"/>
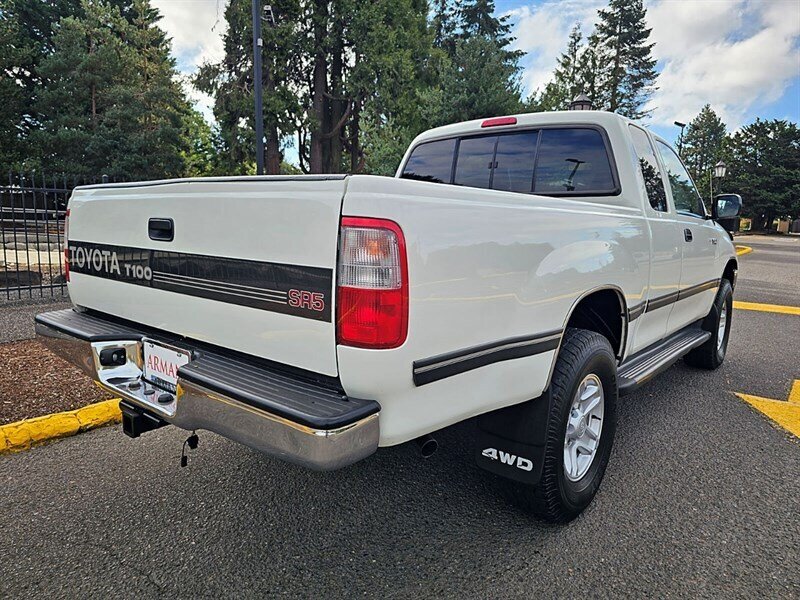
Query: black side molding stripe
<point x="439" y="367"/>
<point x="636" y="312"/>
<point x="696" y="289"/>
<point x="662" y="301"/>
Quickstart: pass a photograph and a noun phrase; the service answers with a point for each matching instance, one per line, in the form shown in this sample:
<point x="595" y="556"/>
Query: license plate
<point x="161" y="364"/>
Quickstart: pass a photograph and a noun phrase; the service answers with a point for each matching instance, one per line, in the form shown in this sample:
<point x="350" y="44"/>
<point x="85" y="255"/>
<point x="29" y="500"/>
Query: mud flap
<point x="511" y="441"/>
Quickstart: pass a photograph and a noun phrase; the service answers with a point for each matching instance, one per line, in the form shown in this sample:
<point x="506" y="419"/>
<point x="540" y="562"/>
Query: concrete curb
<point x="22" y="435"/>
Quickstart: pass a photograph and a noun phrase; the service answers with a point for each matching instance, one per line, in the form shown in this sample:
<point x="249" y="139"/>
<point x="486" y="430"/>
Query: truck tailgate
<point x="243" y="263"/>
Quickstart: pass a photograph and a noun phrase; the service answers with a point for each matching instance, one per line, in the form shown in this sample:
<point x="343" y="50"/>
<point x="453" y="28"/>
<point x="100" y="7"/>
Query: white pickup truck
<point x="525" y="270"/>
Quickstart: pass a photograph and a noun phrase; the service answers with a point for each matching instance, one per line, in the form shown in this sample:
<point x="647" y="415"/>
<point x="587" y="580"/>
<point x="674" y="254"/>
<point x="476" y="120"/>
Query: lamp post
<point x="258" y="79"/>
<point x="258" y="87"/>
<point x="581" y="102"/>
<point x="719" y="171"/>
<point x="680" y="137"/>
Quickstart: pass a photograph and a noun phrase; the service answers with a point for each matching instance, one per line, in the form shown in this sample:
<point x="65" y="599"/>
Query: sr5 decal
<point x="303" y="299"/>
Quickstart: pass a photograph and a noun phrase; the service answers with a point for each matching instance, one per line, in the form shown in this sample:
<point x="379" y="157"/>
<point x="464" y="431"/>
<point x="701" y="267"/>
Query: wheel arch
<point x="603" y="310"/>
<point x="731" y="271"/>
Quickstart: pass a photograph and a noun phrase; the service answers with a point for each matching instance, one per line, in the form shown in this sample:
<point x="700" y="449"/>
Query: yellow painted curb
<point x="740" y="250"/>
<point x="24" y="434"/>
<point x="775" y="308"/>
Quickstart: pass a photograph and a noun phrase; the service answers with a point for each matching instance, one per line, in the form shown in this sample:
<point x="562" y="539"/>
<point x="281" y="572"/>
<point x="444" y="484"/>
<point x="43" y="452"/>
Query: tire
<point x="558" y="497"/>
<point x="711" y="354"/>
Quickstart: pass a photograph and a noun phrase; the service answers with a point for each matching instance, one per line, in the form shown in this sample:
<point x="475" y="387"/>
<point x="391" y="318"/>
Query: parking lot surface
<point x="701" y="499"/>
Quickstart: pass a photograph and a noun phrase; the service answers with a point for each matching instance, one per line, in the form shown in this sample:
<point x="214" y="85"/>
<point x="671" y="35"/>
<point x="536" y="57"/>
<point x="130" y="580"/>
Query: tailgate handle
<point x="161" y="230"/>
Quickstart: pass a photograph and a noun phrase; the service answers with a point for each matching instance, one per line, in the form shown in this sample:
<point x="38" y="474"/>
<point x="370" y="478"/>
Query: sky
<point x="740" y="56"/>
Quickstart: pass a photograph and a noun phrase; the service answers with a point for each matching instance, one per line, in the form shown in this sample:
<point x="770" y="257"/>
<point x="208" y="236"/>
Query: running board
<point x="649" y="362"/>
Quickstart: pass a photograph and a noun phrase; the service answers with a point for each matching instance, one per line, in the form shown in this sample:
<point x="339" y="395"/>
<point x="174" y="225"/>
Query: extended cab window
<point x="475" y="160"/>
<point x="513" y="162"/>
<point x="569" y="161"/>
<point x="573" y="160"/>
<point x="503" y="162"/>
<point x="684" y="194"/>
<point x="653" y="183"/>
<point x="431" y="161"/>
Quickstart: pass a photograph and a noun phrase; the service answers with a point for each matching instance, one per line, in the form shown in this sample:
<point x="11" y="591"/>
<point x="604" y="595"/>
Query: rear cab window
<point x="431" y="161"/>
<point x="553" y="161"/>
<point x="646" y="156"/>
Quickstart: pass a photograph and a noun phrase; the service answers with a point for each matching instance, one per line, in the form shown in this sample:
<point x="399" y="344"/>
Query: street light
<point x="680" y="137"/>
<point x="258" y="83"/>
<point x="581" y="102"/>
<point x="258" y="87"/>
<point x="719" y="171"/>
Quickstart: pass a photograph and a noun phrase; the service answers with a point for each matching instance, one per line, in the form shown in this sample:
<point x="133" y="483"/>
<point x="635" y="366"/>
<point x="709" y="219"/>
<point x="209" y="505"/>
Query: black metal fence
<point x="32" y="211"/>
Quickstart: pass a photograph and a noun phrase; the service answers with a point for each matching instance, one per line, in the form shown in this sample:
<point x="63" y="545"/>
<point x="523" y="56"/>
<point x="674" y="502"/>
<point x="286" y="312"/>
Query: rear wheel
<point x="580" y="432"/>
<point x="718" y="322"/>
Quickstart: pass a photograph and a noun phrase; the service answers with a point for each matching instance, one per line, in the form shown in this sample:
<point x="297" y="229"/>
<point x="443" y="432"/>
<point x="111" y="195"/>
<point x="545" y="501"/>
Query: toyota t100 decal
<point x="289" y="289"/>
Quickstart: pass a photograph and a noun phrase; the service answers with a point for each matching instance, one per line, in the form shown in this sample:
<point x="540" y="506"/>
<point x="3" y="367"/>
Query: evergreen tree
<point x="480" y="75"/>
<point x="627" y="69"/>
<point x="27" y="28"/>
<point x="110" y="103"/>
<point x="480" y="82"/>
<point x="476" y="17"/>
<point x="568" y="76"/>
<point x="702" y="147"/>
<point x="763" y="161"/>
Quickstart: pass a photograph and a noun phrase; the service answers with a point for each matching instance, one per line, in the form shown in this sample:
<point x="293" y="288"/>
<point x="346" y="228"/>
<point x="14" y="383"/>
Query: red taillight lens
<point x="66" y="246"/>
<point x="372" y="304"/>
<point x="498" y="121"/>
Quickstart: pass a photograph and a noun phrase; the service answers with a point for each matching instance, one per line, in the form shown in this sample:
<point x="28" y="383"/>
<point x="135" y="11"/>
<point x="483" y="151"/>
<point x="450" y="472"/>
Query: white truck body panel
<point x="483" y="266"/>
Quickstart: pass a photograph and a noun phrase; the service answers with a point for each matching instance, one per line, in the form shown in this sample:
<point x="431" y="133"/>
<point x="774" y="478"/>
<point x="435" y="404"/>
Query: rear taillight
<point x="372" y="304"/>
<point x="66" y="246"/>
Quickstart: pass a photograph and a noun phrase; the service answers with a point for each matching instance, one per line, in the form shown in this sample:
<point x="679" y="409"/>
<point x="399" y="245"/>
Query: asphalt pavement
<point x="701" y="499"/>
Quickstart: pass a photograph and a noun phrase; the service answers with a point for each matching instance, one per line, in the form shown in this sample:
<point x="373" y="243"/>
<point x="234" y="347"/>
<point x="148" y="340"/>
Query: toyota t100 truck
<point x="524" y="271"/>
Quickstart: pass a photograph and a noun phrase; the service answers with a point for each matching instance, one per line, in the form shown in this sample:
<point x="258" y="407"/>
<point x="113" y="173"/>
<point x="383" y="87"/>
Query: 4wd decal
<point x="289" y="289"/>
<point x="507" y="458"/>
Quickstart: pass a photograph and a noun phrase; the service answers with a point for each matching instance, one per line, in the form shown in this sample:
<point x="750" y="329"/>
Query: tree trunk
<point x="333" y="158"/>
<point x="319" y="87"/>
<point x="355" y="151"/>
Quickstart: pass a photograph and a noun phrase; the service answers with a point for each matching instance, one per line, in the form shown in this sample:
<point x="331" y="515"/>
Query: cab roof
<point x="512" y="122"/>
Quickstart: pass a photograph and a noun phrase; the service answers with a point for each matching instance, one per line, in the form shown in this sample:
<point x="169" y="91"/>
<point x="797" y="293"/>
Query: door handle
<point x="161" y="230"/>
<point x="687" y="235"/>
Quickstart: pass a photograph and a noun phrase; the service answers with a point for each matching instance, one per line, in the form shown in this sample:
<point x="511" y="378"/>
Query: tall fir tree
<point x="111" y="103"/>
<point x="701" y="148"/>
<point x="627" y="69"/>
<point x="480" y="77"/>
<point x="568" y="77"/>
<point x="27" y="28"/>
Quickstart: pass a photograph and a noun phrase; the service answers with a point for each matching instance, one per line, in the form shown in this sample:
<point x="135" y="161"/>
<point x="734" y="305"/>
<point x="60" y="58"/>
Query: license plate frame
<point x="160" y="363"/>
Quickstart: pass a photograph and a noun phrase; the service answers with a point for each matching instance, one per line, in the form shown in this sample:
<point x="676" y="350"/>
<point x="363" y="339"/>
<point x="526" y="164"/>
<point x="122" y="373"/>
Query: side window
<point x="474" y="162"/>
<point x="653" y="182"/>
<point x="573" y="160"/>
<point x="432" y="161"/>
<point x="513" y="162"/>
<point x="684" y="194"/>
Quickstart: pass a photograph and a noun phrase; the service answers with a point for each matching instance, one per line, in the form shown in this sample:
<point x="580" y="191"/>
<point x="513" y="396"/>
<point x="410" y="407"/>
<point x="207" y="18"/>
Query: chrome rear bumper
<point x="320" y="428"/>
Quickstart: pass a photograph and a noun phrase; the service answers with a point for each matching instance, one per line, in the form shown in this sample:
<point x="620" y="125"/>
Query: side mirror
<point x="726" y="210"/>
